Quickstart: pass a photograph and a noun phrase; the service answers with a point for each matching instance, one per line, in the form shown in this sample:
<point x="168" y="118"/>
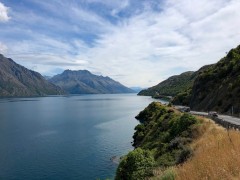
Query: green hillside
<point x="172" y="86"/>
<point x="184" y="97"/>
<point x="161" y="140"/>
<point x="217" y="87"/>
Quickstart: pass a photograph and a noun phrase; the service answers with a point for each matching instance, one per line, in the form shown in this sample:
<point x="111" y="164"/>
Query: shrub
<point x="184" y="154"/>
<point x="169" y="174"/>
<point x="136" y="165"/>
<point x="182" y="124"/>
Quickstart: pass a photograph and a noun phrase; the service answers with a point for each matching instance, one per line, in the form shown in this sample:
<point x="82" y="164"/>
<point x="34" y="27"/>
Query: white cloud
<point x="196" y="10"/>
<point x="3" y="48"/>
<point x="3" y="13"/>
<point x="141" y="50"/>
<point x="124" y="4"/>
<point x="46" y="54"/>
<point x="67" y="14"/>
<point x="154" y="45"/>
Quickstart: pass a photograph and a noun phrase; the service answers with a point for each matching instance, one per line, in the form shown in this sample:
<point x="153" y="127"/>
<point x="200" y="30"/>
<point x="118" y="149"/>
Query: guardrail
<point x="225" y="124"/>
<point x="222" y="122"/>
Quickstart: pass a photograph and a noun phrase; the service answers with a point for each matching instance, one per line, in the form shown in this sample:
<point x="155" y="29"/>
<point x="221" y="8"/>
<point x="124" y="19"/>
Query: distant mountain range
<point x="16" y="80"/>
<point x="84" y="82"/>
<point x="136" y="89"/>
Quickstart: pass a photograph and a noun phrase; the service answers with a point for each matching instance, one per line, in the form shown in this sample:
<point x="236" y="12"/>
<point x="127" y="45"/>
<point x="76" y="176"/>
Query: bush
<point x="182" y="124"/>
<point x="136" y="165"/>
<point x="165" y="134"/>
<point x="169" y="174"/>
<point x="184" y="154"/>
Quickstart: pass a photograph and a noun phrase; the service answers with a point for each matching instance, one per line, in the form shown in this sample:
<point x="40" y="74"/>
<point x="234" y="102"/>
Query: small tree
<point x="136" y="165"/>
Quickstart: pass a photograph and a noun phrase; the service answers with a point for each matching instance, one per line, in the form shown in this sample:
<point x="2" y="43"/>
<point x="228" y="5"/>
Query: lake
<point x="66" y="137"/>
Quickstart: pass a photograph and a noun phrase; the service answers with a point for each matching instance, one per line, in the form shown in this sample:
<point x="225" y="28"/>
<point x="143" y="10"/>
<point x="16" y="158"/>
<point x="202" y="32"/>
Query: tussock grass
<point x="216" y="155"/>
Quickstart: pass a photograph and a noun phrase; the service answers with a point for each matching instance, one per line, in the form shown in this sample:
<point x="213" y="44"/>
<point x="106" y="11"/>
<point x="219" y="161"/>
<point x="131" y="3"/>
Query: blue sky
<point x="136" y="42"/>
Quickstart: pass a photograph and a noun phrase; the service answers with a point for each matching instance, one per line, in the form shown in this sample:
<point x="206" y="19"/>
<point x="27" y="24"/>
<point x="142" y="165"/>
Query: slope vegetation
<point x="172" y="86"/>
<point x="161" y="140"/>
<point x="172" y="145"/>
<point x="217" y="87"/>
<point x="215" y="156"/>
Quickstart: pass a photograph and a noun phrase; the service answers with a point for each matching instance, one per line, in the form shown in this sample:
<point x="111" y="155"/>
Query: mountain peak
<point x="77" y="72"/>
<point x="84" y="82"/>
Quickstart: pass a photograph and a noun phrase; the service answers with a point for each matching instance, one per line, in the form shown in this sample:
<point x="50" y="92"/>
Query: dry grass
<point x="216" y="155"/>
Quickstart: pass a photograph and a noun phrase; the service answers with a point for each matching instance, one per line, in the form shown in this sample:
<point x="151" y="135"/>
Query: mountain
<point x="172" y="86"/>
<point x="217" y="87"/>
<point x="213" y="87"/>
<point x="136" y="89"/>
<point x="84" y="82"/>
<point x="16" y="80"/>
<point x="184" y="97"/>
<point x="47" y="77"/>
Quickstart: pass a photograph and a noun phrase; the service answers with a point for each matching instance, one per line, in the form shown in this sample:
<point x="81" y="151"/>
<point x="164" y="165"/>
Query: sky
<point x="136" y="42"/>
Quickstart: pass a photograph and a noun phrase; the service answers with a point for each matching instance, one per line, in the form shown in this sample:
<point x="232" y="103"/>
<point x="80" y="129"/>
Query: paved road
<point x="233" y="120"/>
<point x="230" y="119"/>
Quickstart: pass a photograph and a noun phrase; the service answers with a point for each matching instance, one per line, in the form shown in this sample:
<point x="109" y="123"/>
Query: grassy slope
<point x="172" y="145"/>
<point x="215" y="156"/>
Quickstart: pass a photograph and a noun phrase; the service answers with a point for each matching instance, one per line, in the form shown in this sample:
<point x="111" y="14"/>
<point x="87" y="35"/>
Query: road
<point x="230" y="119"/>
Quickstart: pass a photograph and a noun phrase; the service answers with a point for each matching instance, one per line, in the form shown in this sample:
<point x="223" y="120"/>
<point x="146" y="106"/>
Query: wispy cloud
<point x="3" y="13"/>
<point x="3" y="48"/>
<point x="139" y="43"/>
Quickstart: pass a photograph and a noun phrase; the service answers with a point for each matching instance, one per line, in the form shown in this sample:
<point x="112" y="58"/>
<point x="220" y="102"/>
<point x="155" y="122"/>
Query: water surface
<point x="66" y="137"/>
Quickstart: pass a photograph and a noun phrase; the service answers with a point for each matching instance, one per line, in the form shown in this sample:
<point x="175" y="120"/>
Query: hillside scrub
<point x="164" y="135"/>
<point x="136" y="165"/>
<point x="171" y="86"/>
<point x="216" y="154"/>
<point x="171" y="145"/>
<point x="216" y="87"/>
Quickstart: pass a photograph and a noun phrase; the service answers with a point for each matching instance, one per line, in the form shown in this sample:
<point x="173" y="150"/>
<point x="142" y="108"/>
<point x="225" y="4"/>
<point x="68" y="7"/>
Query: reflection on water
<point x="46" y="133"/>
<point x="17" y="100"/>
<point x="104" y="99"/>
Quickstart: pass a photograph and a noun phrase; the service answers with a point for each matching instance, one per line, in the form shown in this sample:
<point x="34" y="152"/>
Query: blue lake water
<point x="66" y="137"/>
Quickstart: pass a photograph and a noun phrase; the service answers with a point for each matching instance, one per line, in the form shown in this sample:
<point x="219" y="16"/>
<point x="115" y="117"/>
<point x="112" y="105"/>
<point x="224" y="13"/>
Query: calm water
<point x="66" y="137"/>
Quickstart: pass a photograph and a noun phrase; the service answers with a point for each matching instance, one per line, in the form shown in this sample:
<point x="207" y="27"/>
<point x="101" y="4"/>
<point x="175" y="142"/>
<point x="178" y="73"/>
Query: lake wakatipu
<point x="66" y="137"/>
